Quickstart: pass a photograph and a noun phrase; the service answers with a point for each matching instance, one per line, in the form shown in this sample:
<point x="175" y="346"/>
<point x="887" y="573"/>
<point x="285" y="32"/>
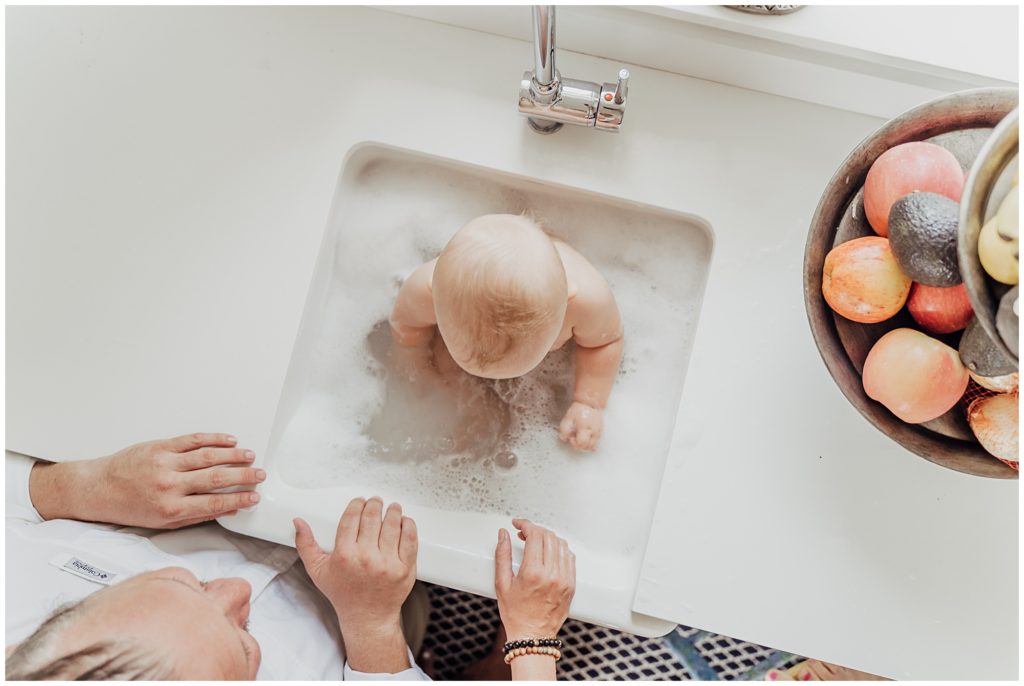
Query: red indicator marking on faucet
<point x="608" y="97"/>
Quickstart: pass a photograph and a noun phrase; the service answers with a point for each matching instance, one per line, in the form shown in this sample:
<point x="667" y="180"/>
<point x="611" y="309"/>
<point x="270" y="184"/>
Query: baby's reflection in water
<point x="438" y="410"/>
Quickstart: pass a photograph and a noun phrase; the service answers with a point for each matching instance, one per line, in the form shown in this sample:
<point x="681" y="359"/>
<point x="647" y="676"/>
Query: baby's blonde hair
<point x="497" y="285"/>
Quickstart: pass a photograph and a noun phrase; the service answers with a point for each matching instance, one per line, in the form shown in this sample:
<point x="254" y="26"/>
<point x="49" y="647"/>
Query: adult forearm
<point x="596" y="369"/>
<point x="66" y="490"/>
<point x="533" y="668"/>
<point x="376" y="650"/>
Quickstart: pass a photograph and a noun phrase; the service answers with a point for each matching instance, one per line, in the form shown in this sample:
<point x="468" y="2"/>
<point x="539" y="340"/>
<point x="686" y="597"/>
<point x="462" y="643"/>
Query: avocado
<point x="1008" y="320"/>
<point x="981" y="355"/>
<point x="922" y="232"/>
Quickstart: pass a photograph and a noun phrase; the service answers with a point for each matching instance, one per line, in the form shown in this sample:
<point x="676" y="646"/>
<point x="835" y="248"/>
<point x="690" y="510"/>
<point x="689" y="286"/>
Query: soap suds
<point x="489" y="446"/>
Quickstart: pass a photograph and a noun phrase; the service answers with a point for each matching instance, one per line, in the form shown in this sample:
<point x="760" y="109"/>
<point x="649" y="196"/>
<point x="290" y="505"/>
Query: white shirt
<point x="50" y="563"/>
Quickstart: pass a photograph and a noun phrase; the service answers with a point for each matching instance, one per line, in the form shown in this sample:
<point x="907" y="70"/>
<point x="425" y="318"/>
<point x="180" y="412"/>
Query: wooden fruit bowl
<point x="960" y="122"/>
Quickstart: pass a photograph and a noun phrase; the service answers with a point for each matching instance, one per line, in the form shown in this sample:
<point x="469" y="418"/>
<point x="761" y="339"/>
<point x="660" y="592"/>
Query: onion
<point x="994" y="422"/>
<point x="1007" y="383"/>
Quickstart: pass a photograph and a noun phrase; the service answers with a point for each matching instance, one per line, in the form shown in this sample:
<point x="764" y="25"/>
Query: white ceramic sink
<point x="343" y="428"/>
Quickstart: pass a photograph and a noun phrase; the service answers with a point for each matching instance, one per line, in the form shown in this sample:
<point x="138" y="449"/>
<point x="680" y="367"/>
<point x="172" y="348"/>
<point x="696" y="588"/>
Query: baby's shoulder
<point x="580" y="272"/>
<point x="575" y="264"/>
<point x="423" y="274"/>
<point x="417" y="286"/>
<point x="592" y="302"/>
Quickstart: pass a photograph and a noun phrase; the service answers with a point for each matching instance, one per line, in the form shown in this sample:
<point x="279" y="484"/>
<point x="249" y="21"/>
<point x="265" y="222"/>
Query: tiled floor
<point x="463" y="628"/>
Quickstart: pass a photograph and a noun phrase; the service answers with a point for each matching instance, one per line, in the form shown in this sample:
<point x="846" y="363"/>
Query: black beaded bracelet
<point x="532" y="643"/>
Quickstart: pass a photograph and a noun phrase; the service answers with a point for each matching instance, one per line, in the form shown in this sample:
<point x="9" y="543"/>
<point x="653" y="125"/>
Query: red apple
<point x="863" y="282"/>
<point x="904" y="169"/>
<point x="917" y="377"/>
<point x="940" y="310"/>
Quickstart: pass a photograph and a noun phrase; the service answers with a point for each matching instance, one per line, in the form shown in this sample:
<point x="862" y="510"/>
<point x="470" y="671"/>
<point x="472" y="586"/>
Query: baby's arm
<point x="597" y="330"/>
<point x="412" y="319"/>
<point x="412" y="327"/>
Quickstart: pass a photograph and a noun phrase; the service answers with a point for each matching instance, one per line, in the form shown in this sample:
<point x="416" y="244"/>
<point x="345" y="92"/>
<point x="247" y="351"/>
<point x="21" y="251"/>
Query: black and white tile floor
<point x="463" y="627"/>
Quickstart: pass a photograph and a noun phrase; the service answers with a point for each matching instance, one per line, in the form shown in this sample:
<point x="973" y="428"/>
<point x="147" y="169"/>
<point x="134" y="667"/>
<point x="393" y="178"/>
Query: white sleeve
<point x="414" y="673"/>
<point x="18" y="504"/>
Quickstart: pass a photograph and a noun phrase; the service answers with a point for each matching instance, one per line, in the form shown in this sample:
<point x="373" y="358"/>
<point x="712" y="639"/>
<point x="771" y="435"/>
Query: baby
<point x="503" y="294"/>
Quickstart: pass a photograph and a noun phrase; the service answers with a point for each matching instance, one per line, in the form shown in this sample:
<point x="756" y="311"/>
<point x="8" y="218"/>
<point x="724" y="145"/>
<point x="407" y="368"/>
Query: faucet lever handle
<point x="612" y="103"/>
<point x="622" y="86"/>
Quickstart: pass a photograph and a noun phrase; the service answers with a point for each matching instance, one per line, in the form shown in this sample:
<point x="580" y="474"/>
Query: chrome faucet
<point x="550" y="101"/>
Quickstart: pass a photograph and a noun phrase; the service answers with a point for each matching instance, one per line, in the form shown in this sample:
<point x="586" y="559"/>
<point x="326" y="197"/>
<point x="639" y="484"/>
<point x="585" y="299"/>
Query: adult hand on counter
<point x="163" y="484"/>
<point x="367" y="577"/>
<point x="535" y="602"/>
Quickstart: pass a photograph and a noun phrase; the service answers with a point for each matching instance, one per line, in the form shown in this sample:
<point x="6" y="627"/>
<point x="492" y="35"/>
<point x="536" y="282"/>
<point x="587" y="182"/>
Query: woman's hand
<point x="163" y="484"/>
<point x="535" y="602"/>
<point x="367" y="578"/>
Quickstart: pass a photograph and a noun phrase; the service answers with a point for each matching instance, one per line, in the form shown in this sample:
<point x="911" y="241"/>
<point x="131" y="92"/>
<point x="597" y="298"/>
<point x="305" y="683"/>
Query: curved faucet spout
<point x="544" y="44"/>
<point x="549" y="101"/>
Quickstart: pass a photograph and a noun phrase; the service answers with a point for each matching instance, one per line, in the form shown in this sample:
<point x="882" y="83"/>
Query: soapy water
<point x="479" y="445"/>
<point x="452" y="414"/>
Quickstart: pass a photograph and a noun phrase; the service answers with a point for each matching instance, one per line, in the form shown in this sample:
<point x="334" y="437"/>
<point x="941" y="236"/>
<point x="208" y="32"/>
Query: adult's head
<point x="165" y="624"/>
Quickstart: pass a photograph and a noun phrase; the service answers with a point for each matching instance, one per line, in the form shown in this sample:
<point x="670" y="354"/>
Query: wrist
<point x="381" y="627"/>
<point x="518" y="632"/>
<point x="533" y="668"/>
<point x="64" y="490"/>
<point x="588" y="400"/>
<point x="375" y="646"/>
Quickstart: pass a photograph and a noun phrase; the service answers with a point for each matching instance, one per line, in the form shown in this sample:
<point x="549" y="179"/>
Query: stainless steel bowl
<point x="957" y="115"/>
<point x="986" y="186"/>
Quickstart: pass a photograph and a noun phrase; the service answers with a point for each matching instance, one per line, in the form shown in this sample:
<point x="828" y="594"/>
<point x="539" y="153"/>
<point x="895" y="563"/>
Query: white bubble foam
<point x="399" y="216"/>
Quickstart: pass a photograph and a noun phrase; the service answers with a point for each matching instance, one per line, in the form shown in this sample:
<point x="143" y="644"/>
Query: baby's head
<point x="500" y="295"/>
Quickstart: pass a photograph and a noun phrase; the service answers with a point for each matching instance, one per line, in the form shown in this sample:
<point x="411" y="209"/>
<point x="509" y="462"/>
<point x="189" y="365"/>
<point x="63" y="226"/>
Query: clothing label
<point x="72" y="564"/>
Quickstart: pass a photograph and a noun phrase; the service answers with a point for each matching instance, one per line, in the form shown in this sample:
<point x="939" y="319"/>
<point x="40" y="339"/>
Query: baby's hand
<point x="582" y="426"/>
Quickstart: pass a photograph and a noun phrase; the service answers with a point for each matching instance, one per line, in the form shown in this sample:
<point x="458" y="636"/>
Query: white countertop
<point x="967" y="39"/>
<point x="875" y="60"/>
<point x="169" y="173"/>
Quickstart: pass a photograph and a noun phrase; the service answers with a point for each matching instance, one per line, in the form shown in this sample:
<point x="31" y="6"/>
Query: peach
<point x="863" y="282"/>
<point x="904" y="169"/>
<point x="940" y="310"/>
<point x="915" y="376"/>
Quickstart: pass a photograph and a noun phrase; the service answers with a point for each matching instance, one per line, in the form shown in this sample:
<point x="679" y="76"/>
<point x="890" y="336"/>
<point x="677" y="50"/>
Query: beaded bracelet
<point x="532" y="650"/>
<point x="533" y="646"/>
<point x="533" y="643"/>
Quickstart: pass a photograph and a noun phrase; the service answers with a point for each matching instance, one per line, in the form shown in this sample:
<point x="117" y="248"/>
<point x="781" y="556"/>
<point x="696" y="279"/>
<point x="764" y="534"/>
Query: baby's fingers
<point x="567" y="428"/>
